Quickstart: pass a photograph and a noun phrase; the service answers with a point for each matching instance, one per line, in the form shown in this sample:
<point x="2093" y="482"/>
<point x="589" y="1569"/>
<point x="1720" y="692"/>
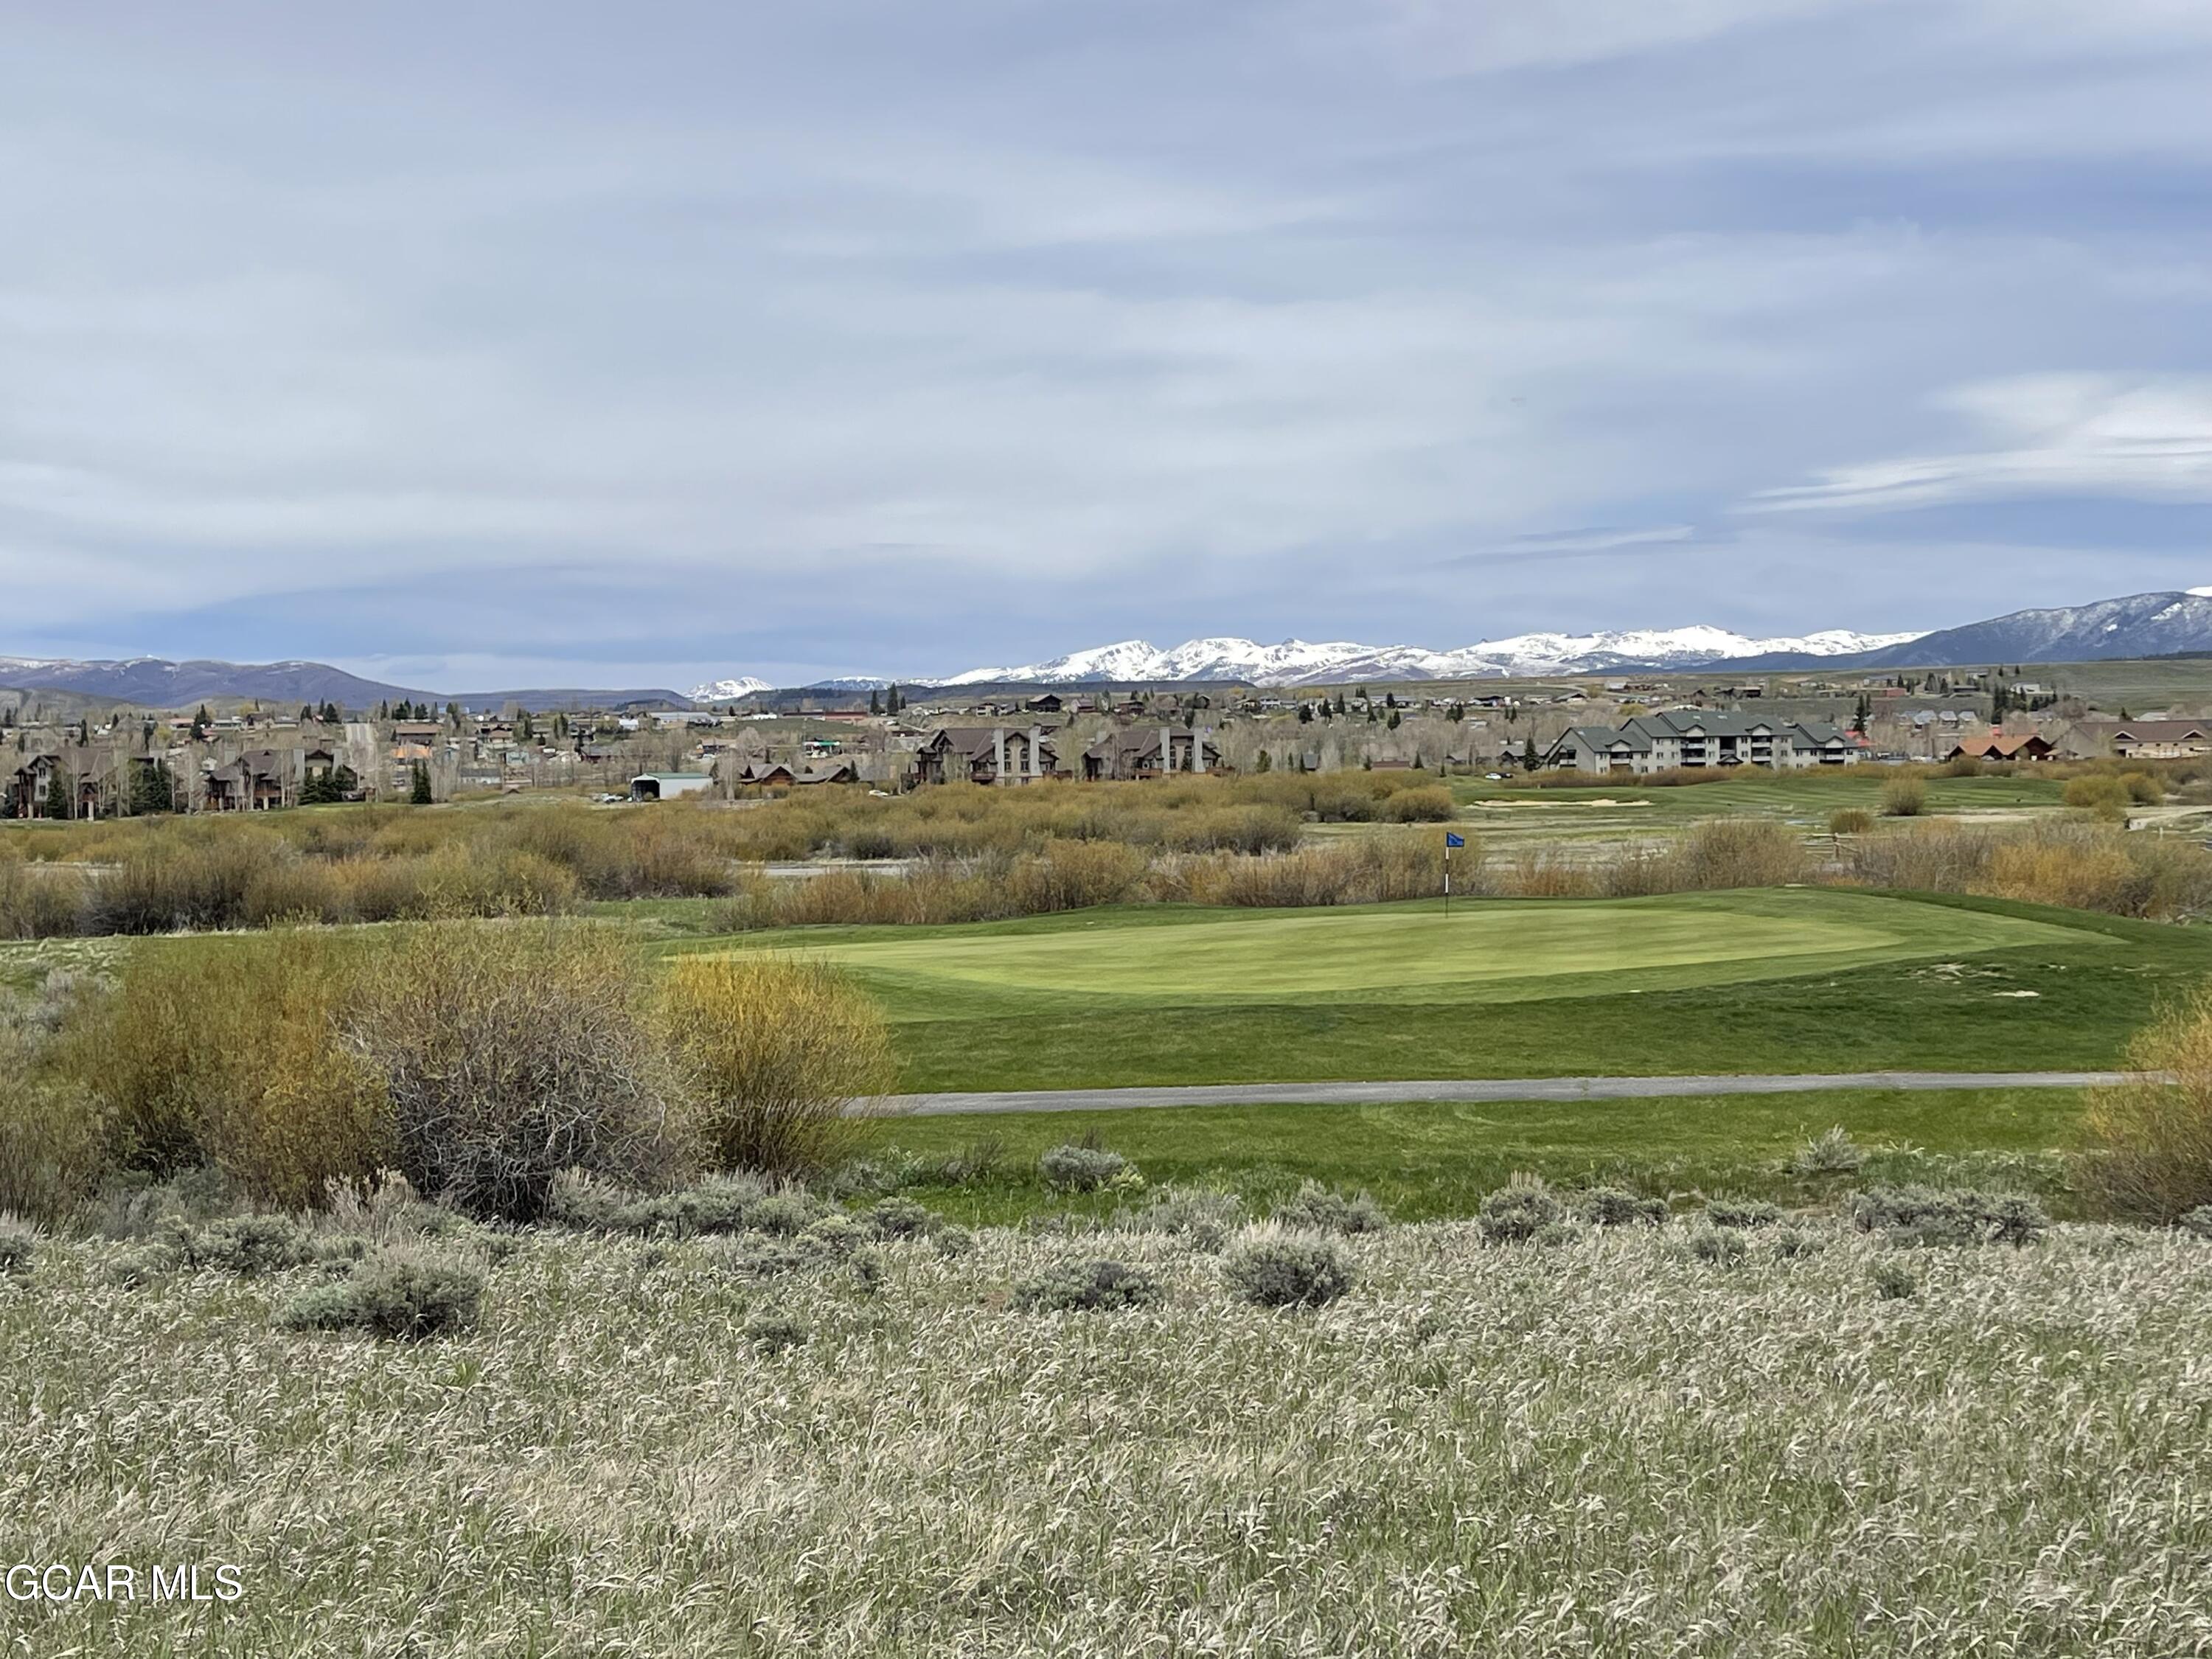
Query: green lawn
<point x="1790" y="980"/>
<point x="1434" y="1160"/>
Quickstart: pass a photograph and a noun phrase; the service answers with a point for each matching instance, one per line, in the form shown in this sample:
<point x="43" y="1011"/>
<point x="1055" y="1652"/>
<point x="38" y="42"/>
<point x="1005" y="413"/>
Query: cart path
<point x="1463" y="1090"/>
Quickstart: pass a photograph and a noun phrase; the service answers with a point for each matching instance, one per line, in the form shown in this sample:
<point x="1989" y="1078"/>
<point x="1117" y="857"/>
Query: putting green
<point x="1491" y="951"/>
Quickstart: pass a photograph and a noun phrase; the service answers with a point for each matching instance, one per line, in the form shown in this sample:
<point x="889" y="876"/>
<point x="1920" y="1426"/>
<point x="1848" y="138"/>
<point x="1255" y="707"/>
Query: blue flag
<point x="1451" y="840"/>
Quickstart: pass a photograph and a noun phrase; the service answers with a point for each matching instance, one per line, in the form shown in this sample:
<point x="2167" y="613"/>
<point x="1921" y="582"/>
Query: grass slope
<point x="1611" y="1448"/>
<point x="1796" y="980"/>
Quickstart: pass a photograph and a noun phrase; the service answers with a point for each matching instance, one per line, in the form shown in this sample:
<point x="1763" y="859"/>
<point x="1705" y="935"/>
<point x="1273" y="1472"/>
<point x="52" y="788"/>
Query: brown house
<point x="28" y="785"/>
<point x="1148" y="754"/>
<point x="2161" y="739"/>
<point x="258" y="781"/>
<point x="2033" y="746"/>
<point x="985" y="754"/>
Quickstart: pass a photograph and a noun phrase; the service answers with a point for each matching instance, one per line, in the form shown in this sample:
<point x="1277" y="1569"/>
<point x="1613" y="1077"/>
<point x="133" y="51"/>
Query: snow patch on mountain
<point x="727" y="690"/>
<point x="1303" y="662"/>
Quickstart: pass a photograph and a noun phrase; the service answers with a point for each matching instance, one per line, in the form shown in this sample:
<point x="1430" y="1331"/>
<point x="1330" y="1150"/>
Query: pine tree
<point x="1393" y="719"/>
<point x="420" y="794"/>
<point x="875" y="702"/>
<point x="1528" y="754"/>
<point x="1305" y="713"/>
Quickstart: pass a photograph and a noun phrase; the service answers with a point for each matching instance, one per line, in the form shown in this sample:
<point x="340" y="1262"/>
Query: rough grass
<point x="1430" y="1161"/>
<point x="1603" y="1447"/>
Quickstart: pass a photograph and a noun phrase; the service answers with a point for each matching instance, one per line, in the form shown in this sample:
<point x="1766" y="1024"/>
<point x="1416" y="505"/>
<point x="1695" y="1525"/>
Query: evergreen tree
<point x="1339" y="702"/>
<point x="1265" y="763"/>
<point x="420" y="794"/>
<point x="153" y="789"/>
<point x="1528" y="754"/>
<point x="875" y="702"/>
<point x="1394" y="718"/>
<point x="199" y="727"/>
<point x="1305" y="713"/>
<point x="58" y="800"/>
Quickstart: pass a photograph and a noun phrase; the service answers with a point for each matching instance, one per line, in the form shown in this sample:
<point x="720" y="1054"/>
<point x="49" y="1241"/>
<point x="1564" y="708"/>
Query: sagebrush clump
<point x="1088" y="1287"/>
<point x="1613" y="1206"/>
<point x="1073" y="1168"/>
<point x="1287" y="1270"/>
<point x="400" y="1294"/>
<point x="1202" y="1217"/>
<point x="1832" y="1151"/>
<point x="1520" y="1210"/>
<point x="1316" y="1208"/>
<point x="1929" y="1215"/>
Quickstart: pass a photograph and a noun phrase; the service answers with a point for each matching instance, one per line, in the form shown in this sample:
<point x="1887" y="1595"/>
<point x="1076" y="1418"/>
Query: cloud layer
<point x="535" y="343"/>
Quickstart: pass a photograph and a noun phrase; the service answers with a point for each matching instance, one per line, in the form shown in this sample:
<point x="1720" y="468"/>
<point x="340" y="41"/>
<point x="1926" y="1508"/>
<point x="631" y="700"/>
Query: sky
<point x="471" y="345"/>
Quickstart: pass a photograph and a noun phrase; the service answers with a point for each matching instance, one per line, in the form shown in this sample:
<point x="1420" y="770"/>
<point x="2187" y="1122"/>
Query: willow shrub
<point x="772" y="1056"/>
<point x="2147" y="1144"/>
<point x="226" y="1052"/>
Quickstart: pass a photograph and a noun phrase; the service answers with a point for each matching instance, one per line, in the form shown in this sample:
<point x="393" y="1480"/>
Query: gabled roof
<point x="2161" y="731"/>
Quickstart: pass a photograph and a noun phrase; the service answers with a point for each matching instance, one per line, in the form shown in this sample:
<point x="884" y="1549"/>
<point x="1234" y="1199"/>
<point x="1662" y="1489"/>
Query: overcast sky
<point x="475" y="344"/>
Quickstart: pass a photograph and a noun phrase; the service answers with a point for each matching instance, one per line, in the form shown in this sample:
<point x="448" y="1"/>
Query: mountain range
<point x="2140" y="625"/>
<point x="156" y="682"/>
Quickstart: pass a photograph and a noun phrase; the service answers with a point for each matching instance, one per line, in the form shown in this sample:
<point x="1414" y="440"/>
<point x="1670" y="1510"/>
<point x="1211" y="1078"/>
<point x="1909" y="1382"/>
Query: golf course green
<point x="1486" y="951"/>
<point x="1773" y="980"/>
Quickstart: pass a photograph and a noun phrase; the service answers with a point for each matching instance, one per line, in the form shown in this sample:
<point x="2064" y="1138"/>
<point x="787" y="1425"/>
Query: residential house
<point x="2029" y="746"/>
<point x="2166" y="739"/>
<point x="1689" y="738"/>
<point x="985" y="754"/>
<point x="28" y="785"/>
<point x="1149" y="752"/>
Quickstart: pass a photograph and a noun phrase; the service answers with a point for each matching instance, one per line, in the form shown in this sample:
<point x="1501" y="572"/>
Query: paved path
<point x="1476" y="1089"/>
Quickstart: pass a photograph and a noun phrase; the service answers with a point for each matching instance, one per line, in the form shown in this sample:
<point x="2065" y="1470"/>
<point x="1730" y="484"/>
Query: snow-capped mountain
<point x="727" y="690"/>
<point x="1302" y="662"/>
<point x="2140" y="625"/>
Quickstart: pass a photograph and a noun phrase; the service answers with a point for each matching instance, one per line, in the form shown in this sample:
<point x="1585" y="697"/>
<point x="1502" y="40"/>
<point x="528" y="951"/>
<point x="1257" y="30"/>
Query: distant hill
<point x="154" y="683"/>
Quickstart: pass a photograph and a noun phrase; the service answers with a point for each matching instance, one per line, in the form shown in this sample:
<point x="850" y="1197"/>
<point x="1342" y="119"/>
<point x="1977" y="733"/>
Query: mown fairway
<point x="1610" y="1447"/>
<point x="1793" y="980"/>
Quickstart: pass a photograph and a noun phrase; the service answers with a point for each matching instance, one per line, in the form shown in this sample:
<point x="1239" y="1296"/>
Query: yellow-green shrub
<point x="772" y="1053"/>
<point x="1904" y="796"/>
<point x="2147" y="1144"/>
<point x="226" y="1052"/>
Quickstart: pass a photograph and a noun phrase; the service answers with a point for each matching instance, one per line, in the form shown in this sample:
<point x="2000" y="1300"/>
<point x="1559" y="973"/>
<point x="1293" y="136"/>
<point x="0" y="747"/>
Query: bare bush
<point x="510" y="1051"/>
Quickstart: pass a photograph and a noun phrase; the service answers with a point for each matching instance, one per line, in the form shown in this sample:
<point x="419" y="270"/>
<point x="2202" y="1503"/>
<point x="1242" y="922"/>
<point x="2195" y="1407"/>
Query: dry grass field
<point x="1625" y="1444"/>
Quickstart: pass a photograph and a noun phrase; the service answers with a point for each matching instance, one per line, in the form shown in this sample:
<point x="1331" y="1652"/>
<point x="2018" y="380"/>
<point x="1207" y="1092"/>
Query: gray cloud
<point x="877" y="335"/>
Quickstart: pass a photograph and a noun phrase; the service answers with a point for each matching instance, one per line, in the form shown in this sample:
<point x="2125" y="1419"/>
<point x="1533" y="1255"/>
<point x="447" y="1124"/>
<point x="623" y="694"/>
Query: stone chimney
<point x="999" y="755"/>
<point x="1037" y="764"/>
